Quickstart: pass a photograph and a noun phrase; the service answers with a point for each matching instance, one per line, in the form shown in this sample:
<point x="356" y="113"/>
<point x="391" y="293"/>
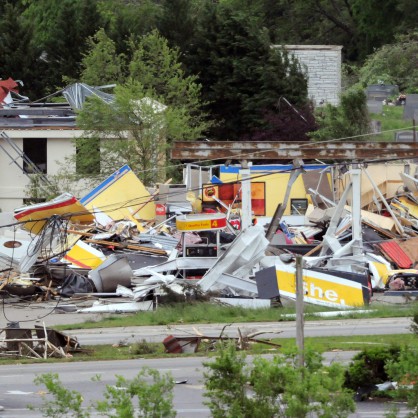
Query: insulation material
<point x="404" y="204"/>
<point x="378" y="220"/>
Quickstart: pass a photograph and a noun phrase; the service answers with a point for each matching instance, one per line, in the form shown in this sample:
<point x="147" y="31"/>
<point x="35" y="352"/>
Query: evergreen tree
<point x="62" y="29"/>
<point x="158" y="68"/>
<point x="377" y="22"/>
<point x="20" y="58"/>
<point x="178" y="22"/>
<point x="101" y="64"/>
<point x="124" y="19"/>
<point x="243" y="77"/>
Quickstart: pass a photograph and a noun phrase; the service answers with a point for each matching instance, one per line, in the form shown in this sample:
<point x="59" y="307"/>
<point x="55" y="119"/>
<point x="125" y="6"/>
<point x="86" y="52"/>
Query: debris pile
<point x="126" y="247"/>
<point x="39" y="342"/>
<point x="205" y="343"/>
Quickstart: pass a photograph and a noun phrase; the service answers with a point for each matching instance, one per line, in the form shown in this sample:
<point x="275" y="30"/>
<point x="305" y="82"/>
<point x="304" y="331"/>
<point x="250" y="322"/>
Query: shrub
<point x="154" y="394"/>
<point x="143" y="347"/>
<point x="367" y="368"/>
<point x="275" y="387"/>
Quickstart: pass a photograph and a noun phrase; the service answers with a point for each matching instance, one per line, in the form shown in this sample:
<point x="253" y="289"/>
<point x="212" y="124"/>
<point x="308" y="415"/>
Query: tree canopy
<point x="221" y="54"/>
<point x="155" y="104"/>
<point x="396" y="63"/>
<point x="242" y="75"/>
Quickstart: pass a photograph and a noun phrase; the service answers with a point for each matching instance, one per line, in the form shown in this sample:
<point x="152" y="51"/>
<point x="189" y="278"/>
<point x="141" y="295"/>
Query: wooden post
<point x="299" y="311"/>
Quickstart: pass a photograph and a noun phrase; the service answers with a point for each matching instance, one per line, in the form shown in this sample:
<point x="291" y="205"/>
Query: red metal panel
<point x="396" y="254"/>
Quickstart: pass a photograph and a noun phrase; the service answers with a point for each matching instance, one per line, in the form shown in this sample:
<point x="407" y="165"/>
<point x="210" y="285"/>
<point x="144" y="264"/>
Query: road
<point x="344" y="327"/>
<point x="17" y="389"/>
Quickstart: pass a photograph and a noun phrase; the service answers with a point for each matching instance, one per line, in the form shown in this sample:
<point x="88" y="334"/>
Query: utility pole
<point x="246" y="215"/>
<point x="299" y="311"/>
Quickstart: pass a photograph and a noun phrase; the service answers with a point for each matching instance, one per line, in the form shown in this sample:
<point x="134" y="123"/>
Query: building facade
<point x="46" y="148"/>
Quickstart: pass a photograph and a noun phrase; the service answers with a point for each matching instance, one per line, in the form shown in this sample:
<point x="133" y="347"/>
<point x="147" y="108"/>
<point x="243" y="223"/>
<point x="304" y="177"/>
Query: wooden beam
<point x="345" y="151"/>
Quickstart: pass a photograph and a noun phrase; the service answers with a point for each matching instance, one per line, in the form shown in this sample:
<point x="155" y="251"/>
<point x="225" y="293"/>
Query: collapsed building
<point x="231" y="231"/>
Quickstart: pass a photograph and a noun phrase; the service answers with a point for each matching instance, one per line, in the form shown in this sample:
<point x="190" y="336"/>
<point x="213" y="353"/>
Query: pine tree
<point x="242" y="75"/>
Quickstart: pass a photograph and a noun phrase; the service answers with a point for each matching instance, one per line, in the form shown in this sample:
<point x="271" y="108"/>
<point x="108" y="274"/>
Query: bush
<point x="368" y="368"/>
<point x="404" y="370"/>
<point x="349" y="120"/>
<point x="143" y="347"/>
<point x="154" y="394"/>
<point x="275" y="387"/>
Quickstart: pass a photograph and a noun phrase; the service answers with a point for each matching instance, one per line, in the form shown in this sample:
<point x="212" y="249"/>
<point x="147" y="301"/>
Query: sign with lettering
<point x="321" y="288"/>
<point x="201" y="222"/>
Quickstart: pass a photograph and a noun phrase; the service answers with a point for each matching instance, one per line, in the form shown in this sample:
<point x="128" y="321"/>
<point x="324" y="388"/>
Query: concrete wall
<point x="13" y="182"/>
<point x="322" y="64"/>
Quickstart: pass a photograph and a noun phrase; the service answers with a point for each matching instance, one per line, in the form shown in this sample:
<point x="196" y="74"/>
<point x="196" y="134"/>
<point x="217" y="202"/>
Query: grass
<point x="203" y="312"/>
<point x="391" y="119"/>
<point x="141" y="349"/>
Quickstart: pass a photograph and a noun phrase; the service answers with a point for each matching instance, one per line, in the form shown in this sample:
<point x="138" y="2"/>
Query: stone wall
<point x="322" y="64"/>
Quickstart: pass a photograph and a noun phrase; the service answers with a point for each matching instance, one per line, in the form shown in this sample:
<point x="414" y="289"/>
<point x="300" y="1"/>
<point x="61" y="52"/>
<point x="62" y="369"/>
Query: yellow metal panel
<point x="275" y="188"/>
<point x="320" y="288"/>
<point x="85" y="256"/>
<point x="122" y="196"/>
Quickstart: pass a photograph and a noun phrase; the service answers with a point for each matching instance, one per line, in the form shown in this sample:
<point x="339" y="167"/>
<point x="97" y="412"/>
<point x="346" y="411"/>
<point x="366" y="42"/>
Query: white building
<point x="47" y="148"/>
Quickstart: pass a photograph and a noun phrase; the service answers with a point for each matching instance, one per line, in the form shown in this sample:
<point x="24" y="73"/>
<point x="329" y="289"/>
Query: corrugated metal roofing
<point x="395" y="253"/>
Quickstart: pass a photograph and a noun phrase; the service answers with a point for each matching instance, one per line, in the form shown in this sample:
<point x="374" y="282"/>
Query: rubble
<point x="125" y="242"/>
<point x="39" y="343"/>
<point x="196" y="343"/>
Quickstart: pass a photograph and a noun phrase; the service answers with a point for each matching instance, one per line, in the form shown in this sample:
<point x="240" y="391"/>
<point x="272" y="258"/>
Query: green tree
<point x="319" y="22"/>
<point x="178" y="22"/>
<point x="349" y="120"/>
<point x="155" y="398"/>
<point x="242" y="76"/>
<point x="61" y="31"/>
<point x="395" y="63"/>
<point x="20" y="57"/>
<point x="64" y="401"/>
<point x="132" y="130"/>
<point x="157" y="104"/>
<point x="376" y="21"/>
<point x="123" y="19"/>
<point x="158" y="68"/>
<point x="404" y="371"/>
<point x="275" y="387"/>
<point x="101" y="64"/>
<point x="152" y="391"/>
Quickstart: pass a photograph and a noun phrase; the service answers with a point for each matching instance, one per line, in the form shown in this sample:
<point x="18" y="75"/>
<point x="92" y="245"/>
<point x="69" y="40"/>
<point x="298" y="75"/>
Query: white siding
<point x="13" y="182"/>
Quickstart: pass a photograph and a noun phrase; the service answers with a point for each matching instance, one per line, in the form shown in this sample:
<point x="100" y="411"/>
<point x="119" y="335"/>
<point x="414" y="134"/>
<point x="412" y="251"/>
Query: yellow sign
<point x="321" y="288"/>
<point x="200" y="222"/>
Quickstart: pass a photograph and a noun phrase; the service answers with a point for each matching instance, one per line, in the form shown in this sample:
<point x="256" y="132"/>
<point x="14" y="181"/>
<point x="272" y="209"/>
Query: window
<point x="35" y="150"/>
<point x="298" y="206"/>
<point x="88" y="156"/>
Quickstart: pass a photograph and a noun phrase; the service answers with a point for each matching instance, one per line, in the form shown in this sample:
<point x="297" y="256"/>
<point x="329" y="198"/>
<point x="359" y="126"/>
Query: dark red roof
<point x="396" y="254"/>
